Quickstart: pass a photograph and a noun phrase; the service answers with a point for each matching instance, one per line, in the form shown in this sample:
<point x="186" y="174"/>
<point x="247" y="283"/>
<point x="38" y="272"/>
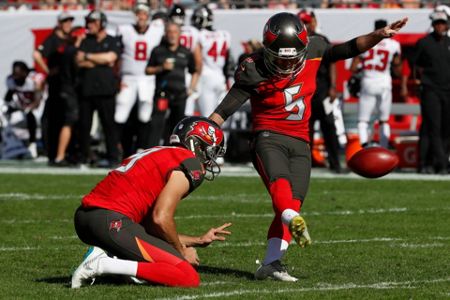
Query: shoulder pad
<point x="317" y="46"/>
<point x="193" y="170"/>
<point x="251" y="70"/>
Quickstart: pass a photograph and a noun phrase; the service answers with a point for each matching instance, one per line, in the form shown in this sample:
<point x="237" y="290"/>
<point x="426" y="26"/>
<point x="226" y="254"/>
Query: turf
<point x="373" y="239"/>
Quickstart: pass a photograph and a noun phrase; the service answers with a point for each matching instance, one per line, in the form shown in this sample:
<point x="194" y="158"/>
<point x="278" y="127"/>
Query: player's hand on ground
<point x="215" y="234"/>
<point x="393" y="28"/>
<point x="190" y="254"/>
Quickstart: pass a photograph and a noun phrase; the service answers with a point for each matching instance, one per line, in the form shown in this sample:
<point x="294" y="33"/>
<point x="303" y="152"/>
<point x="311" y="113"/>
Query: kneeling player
<point x="130" y="213"/>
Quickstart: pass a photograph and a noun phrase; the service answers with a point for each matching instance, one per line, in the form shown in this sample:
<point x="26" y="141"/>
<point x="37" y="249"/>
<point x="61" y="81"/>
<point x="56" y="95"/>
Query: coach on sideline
<point x="432" y="60"/>
<point x="96" y="58"/>
<point x="169" y="62"/>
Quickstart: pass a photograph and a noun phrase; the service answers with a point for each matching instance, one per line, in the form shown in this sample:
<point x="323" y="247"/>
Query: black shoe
<point x="60" y="163"/>
<point x="442" y="172"/>
<point x="107" y="164"/>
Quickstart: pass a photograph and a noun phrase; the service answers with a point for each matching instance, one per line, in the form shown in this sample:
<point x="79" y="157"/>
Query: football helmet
<point x="204" y="138"/>
<point x="177" y="14"/>
<point x="202" y="17"/>
<point x="285" y="41"/>
<point x="142" y="7"/>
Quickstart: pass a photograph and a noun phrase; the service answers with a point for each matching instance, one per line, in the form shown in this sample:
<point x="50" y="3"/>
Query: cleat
<point x="89" y="268"/>
<point x="299" y="231"/>
<point x="274" y="270"/>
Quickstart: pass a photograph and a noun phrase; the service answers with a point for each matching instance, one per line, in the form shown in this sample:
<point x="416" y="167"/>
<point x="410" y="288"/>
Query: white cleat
<point x="274" y="270"/>
<point x="88" y="269"/>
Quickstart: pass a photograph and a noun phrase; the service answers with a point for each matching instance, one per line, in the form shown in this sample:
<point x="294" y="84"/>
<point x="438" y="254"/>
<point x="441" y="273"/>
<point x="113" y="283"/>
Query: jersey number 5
<point x="294" y="104"/>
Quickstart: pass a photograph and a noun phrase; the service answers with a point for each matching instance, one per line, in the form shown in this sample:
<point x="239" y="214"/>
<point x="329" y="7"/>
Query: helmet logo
<point x="287" y="52"/>
<point x="211" y="134"/>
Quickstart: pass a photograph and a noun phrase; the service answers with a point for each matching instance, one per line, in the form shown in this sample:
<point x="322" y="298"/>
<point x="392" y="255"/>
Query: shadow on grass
<point x="63" y="280"/>
<point x="66" y="280"/>
<point x="119" y="280"/>
<point x="226" y="271"/>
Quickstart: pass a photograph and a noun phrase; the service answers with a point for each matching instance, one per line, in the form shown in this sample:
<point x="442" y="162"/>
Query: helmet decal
<point x="204" y="139"/>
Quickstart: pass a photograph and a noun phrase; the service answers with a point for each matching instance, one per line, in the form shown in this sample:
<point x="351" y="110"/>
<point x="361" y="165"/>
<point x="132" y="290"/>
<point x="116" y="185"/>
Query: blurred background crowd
<point x="95" y="96"/>
<point x="219" y="4"/>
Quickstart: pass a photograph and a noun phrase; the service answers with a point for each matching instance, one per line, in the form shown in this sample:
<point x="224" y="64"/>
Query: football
<point x="373" y="162"/>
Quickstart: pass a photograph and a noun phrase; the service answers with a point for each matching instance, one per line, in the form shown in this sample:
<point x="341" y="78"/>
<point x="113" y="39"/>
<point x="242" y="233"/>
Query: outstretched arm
<point x="363" y="43"/>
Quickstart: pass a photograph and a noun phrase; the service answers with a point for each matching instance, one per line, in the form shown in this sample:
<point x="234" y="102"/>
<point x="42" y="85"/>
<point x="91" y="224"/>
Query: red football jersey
<point x="281" y="105"/>
<point x="132" y="188"/>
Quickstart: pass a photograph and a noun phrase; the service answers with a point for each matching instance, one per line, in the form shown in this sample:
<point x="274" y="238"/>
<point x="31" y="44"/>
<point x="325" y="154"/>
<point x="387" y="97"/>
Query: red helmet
<point x="285" y="42"/>
<point x="204" y="138"/>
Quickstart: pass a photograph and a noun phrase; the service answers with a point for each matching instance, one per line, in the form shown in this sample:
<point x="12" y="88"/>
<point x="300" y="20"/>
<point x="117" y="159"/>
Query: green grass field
<point x="373" y="239"/>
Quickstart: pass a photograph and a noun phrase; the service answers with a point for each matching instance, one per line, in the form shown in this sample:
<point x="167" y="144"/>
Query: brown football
<point x="373" y="162"/>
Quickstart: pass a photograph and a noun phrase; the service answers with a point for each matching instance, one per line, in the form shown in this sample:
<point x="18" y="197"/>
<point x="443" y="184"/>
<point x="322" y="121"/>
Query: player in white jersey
<point x="190" y="39"/>
<point x="25" y="88"/>
<point x="138" y="41"/>
<point x="376" y="86"/>
<point x="217" y="61"/>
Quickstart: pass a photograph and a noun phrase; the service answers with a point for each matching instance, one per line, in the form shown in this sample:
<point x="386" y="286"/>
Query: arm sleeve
<point x="192" y="168"/>
<point x="230" y="65"/>
<point x="152" y="60"/>
<point x="341" y="51"/>
<point x="417" y="56"/>
<point x="115" y="46"/>
<point x="83" y="46"/>
<point x="46" y="48"/>
<point x="236" y="96"/>
<point x="191" y="63"/>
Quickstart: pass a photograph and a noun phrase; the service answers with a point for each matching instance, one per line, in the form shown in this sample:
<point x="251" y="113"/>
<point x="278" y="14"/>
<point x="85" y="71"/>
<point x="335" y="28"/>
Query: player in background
<point x="323" y="100"/>
<point x="138" y="40"/>
<point x="25" y="89"/>
<point x="49" y="56"/>
<point x="376" y="85"/>
<point x="280" y="81"/>
<point x="218" y="64"/>
<point x="135" y="222"/>
<point x="189" y="39"/>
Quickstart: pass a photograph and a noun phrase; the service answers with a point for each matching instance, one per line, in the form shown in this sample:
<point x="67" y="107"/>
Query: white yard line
<point x="15" y="249"/>
<point x="312" y="213"/>
<point x="24" y="197"/>
<point x="394" y="241"/>
<point x="420" y="246"/>
<point x="34" y="221"/>
<point x="350" y="241"/>
<point x="322" y="287"/>
<point x="267" y="215"/>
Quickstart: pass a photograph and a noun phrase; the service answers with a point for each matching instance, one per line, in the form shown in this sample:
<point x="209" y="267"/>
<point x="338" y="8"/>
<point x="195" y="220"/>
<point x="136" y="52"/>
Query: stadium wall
<point x="19" y="30"/>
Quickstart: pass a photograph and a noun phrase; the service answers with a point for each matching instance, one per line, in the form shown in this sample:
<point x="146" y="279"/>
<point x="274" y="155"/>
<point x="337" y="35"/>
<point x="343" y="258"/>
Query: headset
<point x="97" y="15"/>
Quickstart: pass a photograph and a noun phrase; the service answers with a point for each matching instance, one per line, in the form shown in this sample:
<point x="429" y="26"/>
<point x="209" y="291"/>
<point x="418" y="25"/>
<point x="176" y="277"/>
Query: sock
<point x="385" y="133"/>
<point x="275" y="250"/>
<point x="363" y="132"/>
<point x="116" y="266"/>
<point x="287" y="216"/>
